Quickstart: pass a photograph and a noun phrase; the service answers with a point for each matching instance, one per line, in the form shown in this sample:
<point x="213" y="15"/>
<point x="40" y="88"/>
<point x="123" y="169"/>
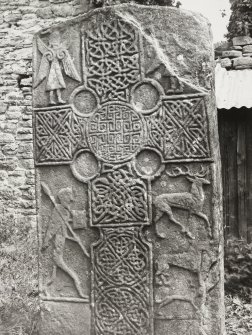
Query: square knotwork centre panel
<point x="118" y="198"/>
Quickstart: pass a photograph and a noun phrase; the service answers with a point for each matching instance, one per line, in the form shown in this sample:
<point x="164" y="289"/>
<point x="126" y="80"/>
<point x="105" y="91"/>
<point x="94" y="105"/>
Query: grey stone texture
<point x="242" y="40"/>
<point x="247" y="49"/>
<point x="239" y="55"/>
<point x="128" y="174"/>
<point x="231" y="53"/>
<point x="243" y="63"/>
<point x="226" y="62"/>
<point x="19" y="21"/>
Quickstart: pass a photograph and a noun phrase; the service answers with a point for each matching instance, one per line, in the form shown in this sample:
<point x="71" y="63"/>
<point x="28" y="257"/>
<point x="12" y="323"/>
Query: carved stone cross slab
<point x="127" y="168"/>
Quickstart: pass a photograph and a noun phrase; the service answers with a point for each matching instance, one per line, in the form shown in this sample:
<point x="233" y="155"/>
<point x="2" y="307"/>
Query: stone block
<point x="231" y="53"/>
<point x="7" y="193"/>
<point x="10" y="149"/>
<point x="24" y="136"/>
<point x="3" y="107"/>
<point x="28" y="212"/>
<point x="12" y="17"/>
<point x="27" y="164"/>
<point x="226" y="62"/>
<point x="27" y="123"/>
<point x="24" y="53"/>
<point x="128" y="175"/>
<point x="26" y="117"/>
<point x="28" y="100"/>
<point x="236" y="47"/>
<point x="13" y="115"/>
<point x="27" y="204"/>
<point x="24" y="130"/>
<point x="8" y="164"/>
<point x="247" y="49"/>
<point x="243" y="63"/>
<point x="242" y="40"/>
<point x="45" y="13"/>
<point x="11" y="127"/>
<point x="30" y="181"/>
<point x="63" y="10"/>
<point x="16" y="180"/>
<point x="6" y="138"/>
<point x="28" y="194"/>
<point x="25" y="149"/>
<point x="26" y="81"/>
<point x="29" y="16"/>
<point x="3" y="176"/>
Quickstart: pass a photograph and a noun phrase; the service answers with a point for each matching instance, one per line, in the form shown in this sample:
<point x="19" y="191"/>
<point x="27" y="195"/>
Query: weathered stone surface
<point x="128" y="175"/>
<point x="19" y="21"/>
<point x="236" y="47"/>
<point x="243" y="63"/>
<point x="242" y="40"/>
<point x="64" y="319"/>
<point x="6" y="138"/>
<point x="231" y="53"/>
<point x="3" y="107"/>
<point x="247" y="49"/>
<point x="62" y="10"/>
<point x="226" y="62"/>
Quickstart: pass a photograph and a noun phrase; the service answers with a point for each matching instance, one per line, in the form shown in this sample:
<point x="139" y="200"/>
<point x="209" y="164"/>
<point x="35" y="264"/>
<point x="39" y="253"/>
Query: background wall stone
<point x="19" y="21"/>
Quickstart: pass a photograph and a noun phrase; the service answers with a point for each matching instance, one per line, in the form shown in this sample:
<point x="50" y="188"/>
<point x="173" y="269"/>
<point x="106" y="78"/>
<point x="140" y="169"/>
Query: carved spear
<point x="47" y="191"/>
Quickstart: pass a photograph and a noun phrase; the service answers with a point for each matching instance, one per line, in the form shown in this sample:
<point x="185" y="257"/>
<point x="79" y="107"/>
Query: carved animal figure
<point x="192" y="201"/>
<point x="163" y="295"/>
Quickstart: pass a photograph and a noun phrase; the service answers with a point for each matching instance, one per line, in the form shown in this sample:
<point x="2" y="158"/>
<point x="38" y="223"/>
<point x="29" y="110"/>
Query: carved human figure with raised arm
<point x="58" y="231"/>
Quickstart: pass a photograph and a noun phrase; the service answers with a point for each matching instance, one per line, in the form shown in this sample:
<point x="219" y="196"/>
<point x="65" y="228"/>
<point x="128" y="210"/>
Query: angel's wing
<point x="69" y="67"/>
<point x="42" y="72"/>
<point x="44" y="65"/>
<point x="43" y="48"/>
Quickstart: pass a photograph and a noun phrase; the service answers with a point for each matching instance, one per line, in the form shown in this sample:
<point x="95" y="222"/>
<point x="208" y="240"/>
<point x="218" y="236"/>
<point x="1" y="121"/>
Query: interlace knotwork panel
<point x="119" y="198"/>
<point x="115" y="132"/>
<point x="112" y="60"/>
<point x="58" y="135"/>
<point x="179" y="129"/>
<point x="122" y="287"/>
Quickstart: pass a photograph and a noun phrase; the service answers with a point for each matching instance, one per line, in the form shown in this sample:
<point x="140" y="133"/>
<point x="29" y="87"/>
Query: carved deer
<point x="192" y="201"/>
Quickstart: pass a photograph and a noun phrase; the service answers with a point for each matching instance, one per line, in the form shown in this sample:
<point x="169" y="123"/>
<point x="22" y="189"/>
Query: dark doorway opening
<point x="235" y="132"/>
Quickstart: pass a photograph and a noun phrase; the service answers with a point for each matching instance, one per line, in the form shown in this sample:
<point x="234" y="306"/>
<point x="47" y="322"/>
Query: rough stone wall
<point x="19" y="21"/>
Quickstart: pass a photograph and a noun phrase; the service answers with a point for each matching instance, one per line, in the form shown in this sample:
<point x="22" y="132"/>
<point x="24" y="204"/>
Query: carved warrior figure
<point x="192" y="201"/>
<point x="57" y="231"/>
<point x="53" y="56"/>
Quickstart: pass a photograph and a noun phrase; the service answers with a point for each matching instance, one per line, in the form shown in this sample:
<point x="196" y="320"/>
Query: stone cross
<point x="127" y="172"/>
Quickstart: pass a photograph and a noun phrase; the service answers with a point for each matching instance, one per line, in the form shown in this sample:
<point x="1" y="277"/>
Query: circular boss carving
<point x="115" y="132"/>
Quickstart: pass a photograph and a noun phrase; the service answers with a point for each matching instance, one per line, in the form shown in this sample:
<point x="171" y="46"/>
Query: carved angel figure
<point x="55" y="59"/>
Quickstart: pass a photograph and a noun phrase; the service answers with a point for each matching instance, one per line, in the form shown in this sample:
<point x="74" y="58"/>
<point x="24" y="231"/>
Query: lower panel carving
<point x="122" y="283"/>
